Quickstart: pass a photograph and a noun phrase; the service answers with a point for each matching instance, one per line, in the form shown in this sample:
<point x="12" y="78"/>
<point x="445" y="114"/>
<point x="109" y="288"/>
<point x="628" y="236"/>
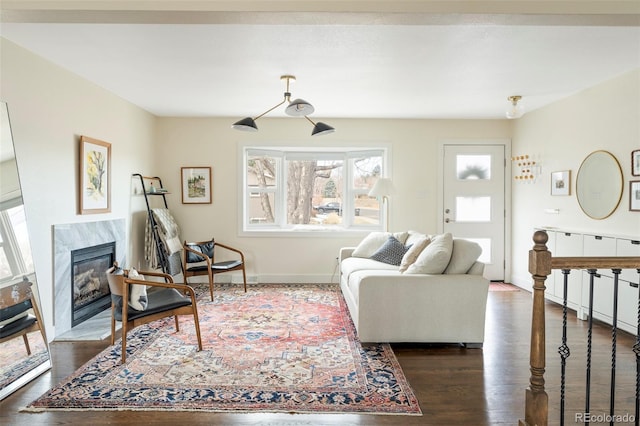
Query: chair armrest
<point x="168" y="278"/>
<point x="224" y="246"/>
<point x="178" y="286"/>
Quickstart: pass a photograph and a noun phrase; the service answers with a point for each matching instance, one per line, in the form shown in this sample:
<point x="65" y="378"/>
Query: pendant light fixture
<point x="514" y="109"/>
<point x="296" y="108"/>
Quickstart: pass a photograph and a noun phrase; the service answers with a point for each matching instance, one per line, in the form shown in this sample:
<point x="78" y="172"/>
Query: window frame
<point x="285" y="152"/>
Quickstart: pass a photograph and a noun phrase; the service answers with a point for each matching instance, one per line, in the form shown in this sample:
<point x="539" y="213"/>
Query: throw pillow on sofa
<point x="391" y="252"/>
<point x="465" y="254"/>
<point x="435" y="257"/>
<point x="372" y="242"/>
<point x="415" y="248"/>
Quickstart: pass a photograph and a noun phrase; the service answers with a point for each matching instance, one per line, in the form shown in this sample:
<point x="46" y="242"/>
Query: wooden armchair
<point x="15" y="302"/>
<point x="199" y="260"/>
<point x="170" y="299"/>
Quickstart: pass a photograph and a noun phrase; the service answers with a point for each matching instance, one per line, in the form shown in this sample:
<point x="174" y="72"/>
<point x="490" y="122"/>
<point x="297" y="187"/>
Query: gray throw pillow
<point x="391" y="252"/>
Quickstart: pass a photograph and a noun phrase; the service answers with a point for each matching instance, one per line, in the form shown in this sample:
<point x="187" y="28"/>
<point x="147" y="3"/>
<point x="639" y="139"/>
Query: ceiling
<point x="385" y="59"/>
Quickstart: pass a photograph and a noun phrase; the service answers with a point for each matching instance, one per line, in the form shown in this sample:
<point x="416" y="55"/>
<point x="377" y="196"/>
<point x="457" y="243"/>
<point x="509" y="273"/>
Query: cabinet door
<point x="626" y="247"/>
<point x="569" y="244"/>
<point x="628" y="305"/>
<point x="602" y="295"/>
<point x="600" y="246"/>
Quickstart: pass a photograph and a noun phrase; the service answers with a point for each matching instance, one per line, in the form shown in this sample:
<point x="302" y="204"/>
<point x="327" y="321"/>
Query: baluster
<point x="563" y="350"/>
<point x="614" y="338"/>
<point x="592" y="275"/>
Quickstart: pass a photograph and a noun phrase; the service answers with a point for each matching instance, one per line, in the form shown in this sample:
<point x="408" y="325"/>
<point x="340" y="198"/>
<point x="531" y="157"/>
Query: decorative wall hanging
<point x="561" y="183"/>
<point x="634" y="195"/>
<point x="635" y="162"/>
<point x="526" y="169"/>
<point x="196" y="185"/>
<point x="95" y="176"/>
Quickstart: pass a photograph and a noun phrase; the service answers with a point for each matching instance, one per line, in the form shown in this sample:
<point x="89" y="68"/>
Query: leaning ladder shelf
<point x="162" y="258"/>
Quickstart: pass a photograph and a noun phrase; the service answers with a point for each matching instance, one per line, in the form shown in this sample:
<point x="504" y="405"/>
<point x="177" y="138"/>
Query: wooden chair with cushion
<point x="199" y="260"/>
<point x="19" y="313"/>
<point x="165" y="299"/>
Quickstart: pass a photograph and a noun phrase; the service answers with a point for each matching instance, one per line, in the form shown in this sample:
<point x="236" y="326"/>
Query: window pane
<point x="366" y="171"/>
<point x="473" y="167"/>
<point x="367" y="210"/>
<point x="19" y="226"/>
<point x="314" y="192"/>
<point x="261" y="171"/>
<point x="473" y="209"/>
<point x="261" y="208"/>
<point x="5" y="270"/>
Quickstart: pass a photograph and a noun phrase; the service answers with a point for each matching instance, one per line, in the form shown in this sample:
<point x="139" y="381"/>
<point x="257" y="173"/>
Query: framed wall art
<point x="635" y="162"/>
<point x="95" y="176"/>
<point x="634" y="195"/>
<point x="561" y="183"/>
<point x="196" y="185"/>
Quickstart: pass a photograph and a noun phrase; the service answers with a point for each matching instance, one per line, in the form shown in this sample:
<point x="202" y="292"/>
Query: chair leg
<point x="124" y="342"/>
<point x="196" y="322"/>
<point x="211" y="284"/>
<point x="177" y="324"/>
<point x="244" y="278"/>
<point x="26" y="343"/>
<point x="113" y="325"/>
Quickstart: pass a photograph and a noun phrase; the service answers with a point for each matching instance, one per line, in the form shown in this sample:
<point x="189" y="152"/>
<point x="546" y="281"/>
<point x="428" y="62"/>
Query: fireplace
<point x="89" y="285"/>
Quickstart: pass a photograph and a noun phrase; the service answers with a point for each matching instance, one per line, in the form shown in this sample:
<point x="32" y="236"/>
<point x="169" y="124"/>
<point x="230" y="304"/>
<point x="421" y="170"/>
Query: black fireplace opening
<point x="89" y="285"/>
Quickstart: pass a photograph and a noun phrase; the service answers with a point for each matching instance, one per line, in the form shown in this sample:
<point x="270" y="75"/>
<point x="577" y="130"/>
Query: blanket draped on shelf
<point x="168" y="233"/>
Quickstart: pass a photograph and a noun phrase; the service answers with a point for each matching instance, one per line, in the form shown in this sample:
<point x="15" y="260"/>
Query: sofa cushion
<point x="390" y="252"/>
<point x="464" y="255"/>
<point x="372" y="242"/>
<point x="435" y="256"/>
<point x="415" y="248"/>
<point x="137" y="292"/>
<point x="353" y="264"/>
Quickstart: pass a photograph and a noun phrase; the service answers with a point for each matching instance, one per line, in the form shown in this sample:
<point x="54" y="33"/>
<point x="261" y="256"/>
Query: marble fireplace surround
<point x="74" y="236"/>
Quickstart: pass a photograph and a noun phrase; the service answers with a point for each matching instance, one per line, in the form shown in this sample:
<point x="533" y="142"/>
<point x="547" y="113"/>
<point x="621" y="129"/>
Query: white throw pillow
<point x="464" y="255"/>
<point x="414" y="237"/>
<point x="372" y="242"/>
<point x="415" y="248"/>
<point x="435" y="256"/>
<point x="137" y="292"/>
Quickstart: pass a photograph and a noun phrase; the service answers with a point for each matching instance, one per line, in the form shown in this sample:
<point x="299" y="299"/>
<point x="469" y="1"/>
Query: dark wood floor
<point x="455" y="386"/>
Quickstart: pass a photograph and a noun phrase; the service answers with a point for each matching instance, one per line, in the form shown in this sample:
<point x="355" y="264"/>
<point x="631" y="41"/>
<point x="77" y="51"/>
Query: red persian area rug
<point x="277" y="348"/>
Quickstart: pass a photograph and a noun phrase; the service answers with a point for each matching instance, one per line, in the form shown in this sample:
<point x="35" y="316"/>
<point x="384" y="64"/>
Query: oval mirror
<point x="599" y="185"/>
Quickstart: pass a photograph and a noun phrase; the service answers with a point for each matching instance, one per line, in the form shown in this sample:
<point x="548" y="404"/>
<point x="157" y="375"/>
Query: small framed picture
<point x="95" y="176"/>
<point x="634" y="195"/>
<point x="635" y="162"/>
<point x="561" y="183"/>
<point x="196" y="185"/>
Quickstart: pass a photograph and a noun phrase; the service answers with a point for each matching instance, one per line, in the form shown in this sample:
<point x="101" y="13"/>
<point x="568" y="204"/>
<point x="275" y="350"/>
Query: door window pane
<point x="473" y="167"/>
<point x="473" y="209"/>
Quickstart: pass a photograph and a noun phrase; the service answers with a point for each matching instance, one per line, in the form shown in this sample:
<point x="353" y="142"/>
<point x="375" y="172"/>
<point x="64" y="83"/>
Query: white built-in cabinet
<point x="566" y="243"/>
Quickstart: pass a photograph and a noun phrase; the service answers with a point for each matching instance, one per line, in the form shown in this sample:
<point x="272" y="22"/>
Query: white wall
<point x="212" y="142"/>
<point x="560" y="136"/>
<point x="50" y="109"/>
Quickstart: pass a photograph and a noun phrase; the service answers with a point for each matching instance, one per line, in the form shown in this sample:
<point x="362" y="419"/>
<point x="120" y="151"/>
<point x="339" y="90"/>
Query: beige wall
<point x="561" y="135"/>
<point x="50" y="109"/>
<point x="212" y="142"/>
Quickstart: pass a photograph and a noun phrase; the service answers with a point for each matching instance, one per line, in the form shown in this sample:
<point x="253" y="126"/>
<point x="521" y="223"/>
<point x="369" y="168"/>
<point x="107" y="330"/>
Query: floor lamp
<point x="383" y="188"/>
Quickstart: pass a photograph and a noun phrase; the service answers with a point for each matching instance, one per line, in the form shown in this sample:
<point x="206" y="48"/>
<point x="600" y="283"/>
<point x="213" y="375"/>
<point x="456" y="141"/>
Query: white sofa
<point x="388" y="305"/>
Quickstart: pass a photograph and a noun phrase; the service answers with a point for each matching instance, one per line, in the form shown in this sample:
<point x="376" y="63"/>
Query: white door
<point x="473" y="200"/>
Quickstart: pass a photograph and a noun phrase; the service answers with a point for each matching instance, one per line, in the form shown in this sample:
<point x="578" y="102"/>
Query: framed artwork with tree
<point x="95" y="176"/>
<point x="196" y="185"/>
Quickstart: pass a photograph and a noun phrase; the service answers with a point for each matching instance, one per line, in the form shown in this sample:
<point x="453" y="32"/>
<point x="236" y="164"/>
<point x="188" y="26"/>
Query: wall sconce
<point x="527" y="169"/>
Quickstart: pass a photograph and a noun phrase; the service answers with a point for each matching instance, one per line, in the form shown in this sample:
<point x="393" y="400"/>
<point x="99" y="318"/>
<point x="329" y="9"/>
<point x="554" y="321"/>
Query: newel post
<point x="537" y="401"/>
